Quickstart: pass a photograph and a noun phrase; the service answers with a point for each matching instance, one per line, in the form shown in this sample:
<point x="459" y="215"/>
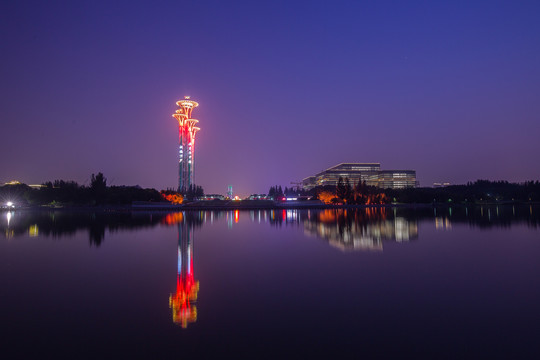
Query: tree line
<point x="351" y="194"/>
<point x="70" y="193"/>
<point x="479" y="191"/>
<point x="279" y="192"/>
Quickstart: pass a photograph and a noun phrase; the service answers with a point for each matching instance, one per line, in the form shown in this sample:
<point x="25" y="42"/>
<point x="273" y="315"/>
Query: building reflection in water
<point x="443" y="223"/>
<point x="442" y="219"/>
<point x="365" y="229"/>
<point x="182" y="301"/>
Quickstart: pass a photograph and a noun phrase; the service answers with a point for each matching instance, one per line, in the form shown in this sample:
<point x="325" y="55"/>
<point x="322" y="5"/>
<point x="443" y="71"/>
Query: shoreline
<point x="240" y="206"/>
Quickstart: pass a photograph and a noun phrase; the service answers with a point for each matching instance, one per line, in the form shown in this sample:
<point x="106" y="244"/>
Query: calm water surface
<point x="431" y="283"/>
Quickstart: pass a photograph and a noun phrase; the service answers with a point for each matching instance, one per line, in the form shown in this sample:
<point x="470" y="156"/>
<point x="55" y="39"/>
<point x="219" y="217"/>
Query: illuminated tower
<point x="187" y="131"/>
<point x="181" y="302"/>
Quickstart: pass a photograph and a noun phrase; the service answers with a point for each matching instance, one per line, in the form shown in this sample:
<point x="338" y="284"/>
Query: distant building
<point x="15" y="182"/>
<point x="370" y="173"/>
<point x="259" y="197"/>
<point x="440" y="185"/>
<point x="213" y="197"/>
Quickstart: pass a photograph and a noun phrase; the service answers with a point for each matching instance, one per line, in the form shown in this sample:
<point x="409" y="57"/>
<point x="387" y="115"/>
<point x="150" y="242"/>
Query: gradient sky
<point x="286" y="89"/>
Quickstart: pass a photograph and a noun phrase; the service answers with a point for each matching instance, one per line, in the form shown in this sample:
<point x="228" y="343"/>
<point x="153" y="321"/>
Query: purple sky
<point x="286" y="89"/>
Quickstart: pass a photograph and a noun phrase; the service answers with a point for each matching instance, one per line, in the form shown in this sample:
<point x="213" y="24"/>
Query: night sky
<point x="286" y="89"/>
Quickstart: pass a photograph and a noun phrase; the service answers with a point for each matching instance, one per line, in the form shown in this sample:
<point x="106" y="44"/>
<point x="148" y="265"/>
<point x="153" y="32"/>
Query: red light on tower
<point x="187" y="131"/>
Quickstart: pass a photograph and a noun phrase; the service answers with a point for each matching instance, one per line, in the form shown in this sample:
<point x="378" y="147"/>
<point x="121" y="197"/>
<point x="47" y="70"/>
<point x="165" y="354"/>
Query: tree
<point x="348" y="191"/>
<point x="193" y="192"/>
<point x="360" y="193"/>
<point x="98" y="187"/>
<point x="172" y="196"/>
<point x="326" y="196"/>
<point x="98" y="182"/>
<point x="341" y="190"/>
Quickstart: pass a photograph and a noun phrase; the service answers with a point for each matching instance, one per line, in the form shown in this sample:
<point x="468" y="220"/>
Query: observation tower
<point x="187" y="131"/>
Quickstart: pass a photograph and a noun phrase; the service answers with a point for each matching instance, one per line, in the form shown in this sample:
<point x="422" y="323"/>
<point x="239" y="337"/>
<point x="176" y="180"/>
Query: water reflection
<point x="365" y="228"/>
<point x="360" y="230"/>
<point x="9" y="232"/>
<point x="187" y="288"/>
<point x="443" y="223"/>
<point x="414" y="297"/>
<point x="59" y="224"/>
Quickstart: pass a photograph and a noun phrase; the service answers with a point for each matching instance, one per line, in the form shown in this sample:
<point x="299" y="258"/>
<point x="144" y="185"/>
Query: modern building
<point x="396" y="179"/>
<point x="370" y="173"/>
<point x="187" y="131"/>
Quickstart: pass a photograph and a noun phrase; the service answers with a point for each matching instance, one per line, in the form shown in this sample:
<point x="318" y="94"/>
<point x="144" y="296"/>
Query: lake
<point x="454" y="282"/>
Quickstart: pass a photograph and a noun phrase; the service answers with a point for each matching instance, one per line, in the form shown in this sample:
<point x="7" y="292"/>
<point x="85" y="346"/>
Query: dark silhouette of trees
<point x="193" y="192"/>
<point x="98" y="187"/>
<point x="98" y="182"/>
<point x="276" y="192"/>
<point x="348" y="190"/>
<point x="341" y="190"/>
<point x="69" y="193"/>
<point x="480" y="191"/>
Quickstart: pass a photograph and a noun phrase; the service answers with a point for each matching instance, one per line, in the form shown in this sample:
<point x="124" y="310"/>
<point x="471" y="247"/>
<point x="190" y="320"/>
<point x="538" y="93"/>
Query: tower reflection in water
<point x="182" y="301"/>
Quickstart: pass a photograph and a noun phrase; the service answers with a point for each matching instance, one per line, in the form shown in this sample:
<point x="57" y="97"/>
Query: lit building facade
<point x="370" y="173"/>
<point x="187" y="131"/>
<point x="396" y="179"/>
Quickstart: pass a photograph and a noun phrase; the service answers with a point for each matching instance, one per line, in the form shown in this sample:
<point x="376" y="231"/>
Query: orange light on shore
<point x="173" y="198"/>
